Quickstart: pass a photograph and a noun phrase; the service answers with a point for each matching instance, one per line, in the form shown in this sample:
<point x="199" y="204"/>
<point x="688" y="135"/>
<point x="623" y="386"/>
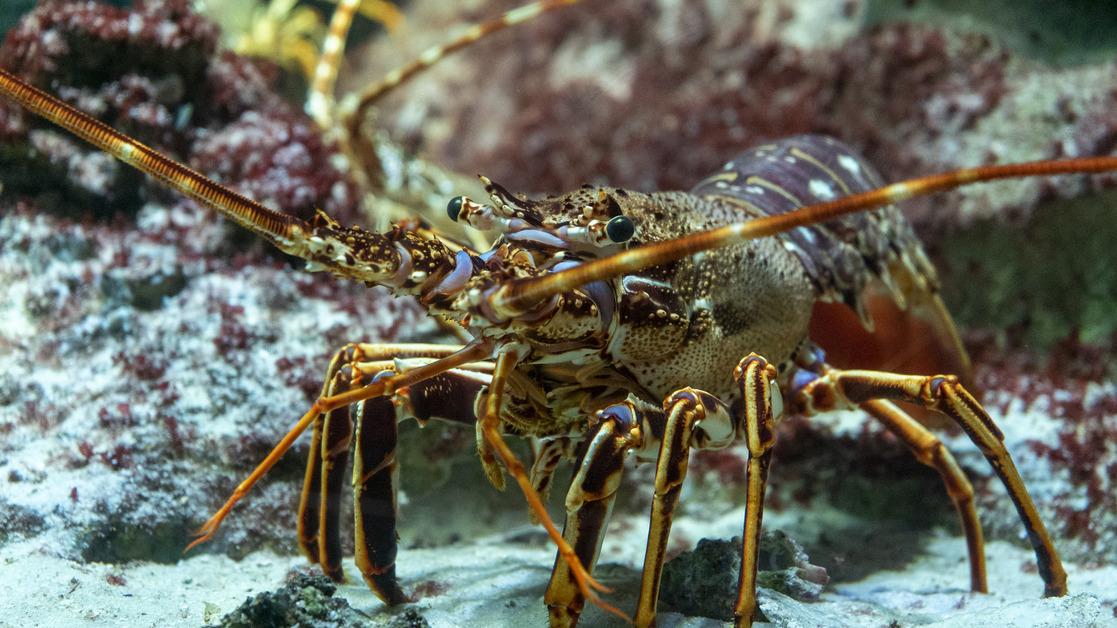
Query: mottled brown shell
<point x="841" y="256"/>
<point x="871" y="261"/>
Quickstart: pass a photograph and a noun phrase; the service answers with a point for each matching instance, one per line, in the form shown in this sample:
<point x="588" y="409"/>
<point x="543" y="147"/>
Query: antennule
<point x="522" y="295"/>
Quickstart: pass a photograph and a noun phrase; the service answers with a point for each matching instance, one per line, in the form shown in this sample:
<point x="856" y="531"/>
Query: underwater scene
<point x="508" y="313"/>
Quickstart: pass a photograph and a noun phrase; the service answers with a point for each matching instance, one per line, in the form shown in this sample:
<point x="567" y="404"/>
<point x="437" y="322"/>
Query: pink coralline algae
<point x="155" y="72"/>
<point x="653" y="95"/>
<point x="155" y="352"/>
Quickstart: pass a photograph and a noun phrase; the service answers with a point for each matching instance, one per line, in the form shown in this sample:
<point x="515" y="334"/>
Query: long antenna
<point x="522" y="295"/>
<point x="320" y="99"/>
<point x="433" y="55"/>
<point x="280" y="229"/>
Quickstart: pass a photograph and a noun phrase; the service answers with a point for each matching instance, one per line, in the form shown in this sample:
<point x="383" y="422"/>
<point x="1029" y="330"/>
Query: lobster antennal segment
<point x="347" y="251"/>
<point x="518" y="297"/>
<point x="280" y="229"/>
<point x="433" y="55"/>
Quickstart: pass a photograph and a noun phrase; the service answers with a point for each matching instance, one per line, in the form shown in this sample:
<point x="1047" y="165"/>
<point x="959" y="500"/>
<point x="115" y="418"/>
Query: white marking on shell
<point x="821" y="189"/>
<point x="644" y="280"/>
<point x="754" y="189"/>
<point x="849" y="163"/>
<point x="717" y="427"/>
<point x="777" y="399"/>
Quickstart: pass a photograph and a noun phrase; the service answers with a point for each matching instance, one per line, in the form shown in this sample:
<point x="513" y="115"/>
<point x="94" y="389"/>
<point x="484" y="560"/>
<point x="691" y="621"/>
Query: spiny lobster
<point x="599" y="324"/>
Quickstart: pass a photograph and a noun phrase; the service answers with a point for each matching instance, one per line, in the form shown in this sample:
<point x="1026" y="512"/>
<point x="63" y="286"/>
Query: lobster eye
<point x="620" y="229"/>
<point x="454" y="207"/>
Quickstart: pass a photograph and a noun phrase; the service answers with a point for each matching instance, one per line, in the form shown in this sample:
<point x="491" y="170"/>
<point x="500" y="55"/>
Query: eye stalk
<point x="454" y="207"/>
<point x="620" y="229"/>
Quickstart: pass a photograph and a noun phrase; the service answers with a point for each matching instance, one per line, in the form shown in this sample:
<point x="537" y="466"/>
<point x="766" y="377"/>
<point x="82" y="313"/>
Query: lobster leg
<point x="943" y="393"/>
<point x="684" y="409"/>
<point x="376" y="470"/>
<point x="930" y="451"/>
<point x="756" y="379"/>
<point x="374" y="465"/>
<point x="489" y="428"/>
<point x="548" y="454"/>
<point x="337" y="436"/>
<point x="589" y="503"/>
<point x="698" y="419"/>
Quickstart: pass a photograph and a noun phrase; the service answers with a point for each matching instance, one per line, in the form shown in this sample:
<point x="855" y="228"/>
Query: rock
<point x="704" y="581"/>
<point x="305" y="600"/>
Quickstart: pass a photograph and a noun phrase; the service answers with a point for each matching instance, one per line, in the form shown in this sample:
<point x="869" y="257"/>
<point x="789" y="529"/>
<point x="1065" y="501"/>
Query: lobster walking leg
<point x="684" y="410"/>
<point x="375" y="485"/>
<point x="316" y="503"/>
<point x="493" y="440"/>
<point x="337" y="436"/>
<point x="547" y="457"/>
<point x="756" y="379"/>
<point x="376" y="470"/>
<point x="374" y="465"/>
<point x="589" y="504"/>
<point x="930" y="451"/>
<point x="944" y="394"/>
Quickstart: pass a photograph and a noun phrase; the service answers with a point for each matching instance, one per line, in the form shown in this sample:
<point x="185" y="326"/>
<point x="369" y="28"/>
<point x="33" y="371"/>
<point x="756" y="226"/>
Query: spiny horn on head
<point x="522" y="295"/>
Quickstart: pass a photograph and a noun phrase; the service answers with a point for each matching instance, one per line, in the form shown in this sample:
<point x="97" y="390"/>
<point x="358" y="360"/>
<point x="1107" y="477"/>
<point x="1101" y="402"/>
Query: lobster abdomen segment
<point x="871" y="262"/>
<point x="841" y="256"/>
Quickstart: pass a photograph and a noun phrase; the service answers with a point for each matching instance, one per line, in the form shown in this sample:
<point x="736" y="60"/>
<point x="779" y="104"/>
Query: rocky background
<point x="150" y="355"/>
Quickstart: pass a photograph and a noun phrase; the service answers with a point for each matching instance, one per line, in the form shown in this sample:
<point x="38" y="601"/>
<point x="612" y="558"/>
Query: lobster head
<point x="533" y="239"/>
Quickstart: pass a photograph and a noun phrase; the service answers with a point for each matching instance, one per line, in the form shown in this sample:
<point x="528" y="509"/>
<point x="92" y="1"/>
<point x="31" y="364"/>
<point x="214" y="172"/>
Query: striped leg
<point x="375" y="468"/>
<point x="589" y="503"/>
<point x="337" y="436"/>
<point x="493" y="441"/>
<point x="930" y="451"/>
<point x="943" y="393"/>
<point x="548" y="454"/>
<point x="693" y="417"/>
<point x="762" y="405"/>
<point x="374" y="475"/>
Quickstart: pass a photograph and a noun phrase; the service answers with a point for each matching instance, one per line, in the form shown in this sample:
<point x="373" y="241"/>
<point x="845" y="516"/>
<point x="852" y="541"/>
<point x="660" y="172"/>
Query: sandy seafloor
<point x="494" y="583"/>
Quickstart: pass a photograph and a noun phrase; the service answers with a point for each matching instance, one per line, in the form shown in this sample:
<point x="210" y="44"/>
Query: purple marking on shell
<point x="565" y="265"/>
<point x="603" y="297"/>
<point x="404" y="270"/>
<point x="456" y="279"/>
<point x="621" y="413"/>
<point x="801" y="379"/>
<point x="539" y="237"/>
<point x="382" y="374"/>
